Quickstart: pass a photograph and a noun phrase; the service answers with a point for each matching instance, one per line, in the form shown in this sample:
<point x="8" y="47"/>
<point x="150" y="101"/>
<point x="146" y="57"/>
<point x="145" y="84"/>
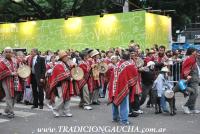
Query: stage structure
<point x="109" y="30"/>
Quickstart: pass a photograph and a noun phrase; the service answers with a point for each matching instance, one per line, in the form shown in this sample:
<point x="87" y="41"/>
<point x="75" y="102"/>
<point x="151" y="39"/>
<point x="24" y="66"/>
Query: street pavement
<point x="28" y="121"/>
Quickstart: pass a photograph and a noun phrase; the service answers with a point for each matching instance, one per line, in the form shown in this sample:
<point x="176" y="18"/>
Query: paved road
<point x="98" y="120"/>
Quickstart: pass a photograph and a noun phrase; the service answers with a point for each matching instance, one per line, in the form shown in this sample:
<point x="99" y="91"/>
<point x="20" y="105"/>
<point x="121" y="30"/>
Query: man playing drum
<point x="9" y="78"/>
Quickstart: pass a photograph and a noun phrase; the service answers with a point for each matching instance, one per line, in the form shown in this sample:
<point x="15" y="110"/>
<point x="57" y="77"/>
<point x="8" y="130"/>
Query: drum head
<point x="169" y="94"/>
<point x="77" y="73"/>
<point x="24" y="71"/>
<point x="103" y="67"/>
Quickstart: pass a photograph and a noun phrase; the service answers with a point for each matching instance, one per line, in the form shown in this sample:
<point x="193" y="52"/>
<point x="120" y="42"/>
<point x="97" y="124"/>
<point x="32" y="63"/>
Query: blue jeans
<point x="101" y="93"/>
<point x="163" y="103"/>
<point x="124" y="110"/>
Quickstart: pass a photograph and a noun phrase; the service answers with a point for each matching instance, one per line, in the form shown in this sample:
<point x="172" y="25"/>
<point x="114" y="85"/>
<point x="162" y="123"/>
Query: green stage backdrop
<point x="112" y="30"/>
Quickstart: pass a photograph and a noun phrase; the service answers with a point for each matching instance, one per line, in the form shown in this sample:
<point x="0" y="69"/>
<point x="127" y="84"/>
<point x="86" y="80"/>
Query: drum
<point x="24" y="71"/>
<point x="77" y="73"/>
<point x="103" y="67"/>
<point x="169" y="94"/>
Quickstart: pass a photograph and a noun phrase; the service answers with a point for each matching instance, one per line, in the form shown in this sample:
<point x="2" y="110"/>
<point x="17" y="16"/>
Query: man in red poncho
<point x="84" y="84"/>
<point x="9" y="78"/>
<point x="113" y="75"/>
<point x="60" y="81"/>
<point x="135" y="92"/>
<point x="94" y="61"/>
<point x="104" y="77"/>
<point x="127" y="77"/>
<point x="50" y="97"/>
<point x="190" y="72"/>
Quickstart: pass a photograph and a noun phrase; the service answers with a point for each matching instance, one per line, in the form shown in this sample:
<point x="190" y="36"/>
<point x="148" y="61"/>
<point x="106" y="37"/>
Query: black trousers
<point x="146" y="90"/>
<point x="38" y="94"/>
<point x="136" y="103"/>
<point x="134" y="106"/>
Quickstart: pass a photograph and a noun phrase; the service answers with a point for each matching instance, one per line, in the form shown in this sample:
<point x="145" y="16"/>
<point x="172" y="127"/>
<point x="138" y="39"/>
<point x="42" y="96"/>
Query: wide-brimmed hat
<point x="8" y="48"/>
<point x="88" y="50"/>
<point x="94" y="53"/>
<point x="61" y="54"/>
<point x="150" y="63"/>
<point x="165" y="69"/>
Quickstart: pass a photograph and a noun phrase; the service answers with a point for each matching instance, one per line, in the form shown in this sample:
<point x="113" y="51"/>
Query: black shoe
<point x="40" y="107"/>
<point x="133" y="114"/>
<point x="148" y="106"/>
<point x="125" y="123"/>
<point x="34" y="107"/>
<point x="115" y="120"/>
<point x="158" y="112"/>
<point x="81" y="105"/>
<point x="95" y="103"/>
<point x="10" y="115"/>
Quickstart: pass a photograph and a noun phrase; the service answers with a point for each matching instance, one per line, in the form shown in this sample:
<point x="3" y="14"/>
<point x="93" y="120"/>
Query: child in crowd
<point x="160" y="85"/>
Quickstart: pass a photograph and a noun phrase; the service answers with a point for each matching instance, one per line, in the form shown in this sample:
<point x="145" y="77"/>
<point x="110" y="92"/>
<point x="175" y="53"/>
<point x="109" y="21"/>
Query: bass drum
<point x="77" y="73"/>
<point x="169" y="94"/>
<point x="24" y="71"/>
<point x="103" y="67"/>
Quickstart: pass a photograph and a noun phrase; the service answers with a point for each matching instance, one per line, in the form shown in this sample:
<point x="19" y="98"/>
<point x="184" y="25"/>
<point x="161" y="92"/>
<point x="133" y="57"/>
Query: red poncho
<point x="113" y="75"/>
<point x="85" y="65"/>
<point x="94" y="84"/>
<point x="137" y="89"/>
<point x="60" y="74"/>
<point x="127" y="77"/>
<point x="6" y="69"/>
<point x="49" y="94"/>
<point x="187" y="66"/>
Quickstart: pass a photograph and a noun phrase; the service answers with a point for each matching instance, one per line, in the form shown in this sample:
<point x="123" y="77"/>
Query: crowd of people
<point x="131" y="75"/>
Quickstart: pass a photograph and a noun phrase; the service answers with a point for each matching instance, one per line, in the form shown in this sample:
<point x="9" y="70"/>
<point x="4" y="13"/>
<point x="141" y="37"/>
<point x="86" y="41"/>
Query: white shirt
<point x="33" y="64"/>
